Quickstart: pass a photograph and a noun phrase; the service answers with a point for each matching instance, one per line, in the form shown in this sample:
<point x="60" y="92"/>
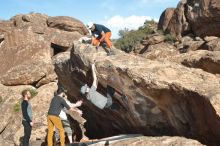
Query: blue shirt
<point x="99" y="29"/>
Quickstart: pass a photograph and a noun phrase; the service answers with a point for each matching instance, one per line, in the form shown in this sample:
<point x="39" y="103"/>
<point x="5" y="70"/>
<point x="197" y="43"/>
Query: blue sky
<point x="115" y="14"/>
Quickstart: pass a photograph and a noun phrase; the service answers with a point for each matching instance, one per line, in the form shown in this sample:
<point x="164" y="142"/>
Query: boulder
<point x="35" y="22"/>
<point x="27" y="45"/>
<point x="188" y="98"/>
<point x="210" y="38"/>
<point x="61" y="40"/>
<point x="203" y="15"/>
<point x="165" y="18"/>
<point x="142" y="115"/>
<point x="178" y="24"/>
<point x="149" y="141"/>
<point x="67" y="24"/>
<point x="153" y="39"/>
<point x="213" y="45"/>
<point x="159" y="51"/>
<point x="206" y="60"/>
<point x="25" y="57"/>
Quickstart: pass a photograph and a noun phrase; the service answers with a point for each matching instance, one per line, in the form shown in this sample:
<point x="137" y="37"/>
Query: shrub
<point x="33" y="92"/>
<point x="17" y="107"/>
<point x="170" y="39"/>
<point x="128" y="39"/>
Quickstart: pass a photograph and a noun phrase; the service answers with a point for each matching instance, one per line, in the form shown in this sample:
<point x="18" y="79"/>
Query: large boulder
<point x="174" y="21"/>
<point x="192" y="16"/>
<point x="207" y="60"/>
<point x="165" y="18"/>
<point x="213" y="45"/>
<point x="158" y="51"/>
<point x="188" y="98"/>
<point x="142" y="115"/>
<point x="178" y="24"/>
<point x="27" y="45"/>
<point x="33" y="21"/>
<point x="25" y="57"/>
<point x="67" y="24"/>
<point x="203" y="16"/>
<point x="153" y="39"/>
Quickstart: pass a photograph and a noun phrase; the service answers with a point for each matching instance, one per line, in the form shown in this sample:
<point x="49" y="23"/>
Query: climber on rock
<point x="98" y="99"/>
<point x="103" y="35"/>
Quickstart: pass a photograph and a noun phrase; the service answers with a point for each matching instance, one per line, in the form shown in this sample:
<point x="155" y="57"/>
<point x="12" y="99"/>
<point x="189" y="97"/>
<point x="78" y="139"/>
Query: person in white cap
<point x="103" y="35"/>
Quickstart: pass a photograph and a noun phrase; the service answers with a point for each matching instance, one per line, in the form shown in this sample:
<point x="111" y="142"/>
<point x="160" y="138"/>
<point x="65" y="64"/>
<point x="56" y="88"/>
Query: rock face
<point x="203" y="59"/>
<point x="193" y="16"/>
<point x="213" y="45"/>
<point x="150" y="141"/>
<point x="132" y="117"/>
<point x="178" y="24"/>
<point x="165" y="18"/>
<point x="153" y="39"/>
<point x="28" y="44"/>
<point x="203" y="16"/>
<point x="188" y="98"/>
<point x="161" y="50"/>
<point x="67" y="24"/>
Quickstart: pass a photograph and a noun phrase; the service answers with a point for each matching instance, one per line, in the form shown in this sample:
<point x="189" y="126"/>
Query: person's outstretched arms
<point x="75" y="105"/>
<point x="95" y="82"/>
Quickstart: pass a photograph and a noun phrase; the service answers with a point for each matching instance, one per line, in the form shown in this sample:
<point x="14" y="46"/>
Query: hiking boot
<point x="110" y="53"/>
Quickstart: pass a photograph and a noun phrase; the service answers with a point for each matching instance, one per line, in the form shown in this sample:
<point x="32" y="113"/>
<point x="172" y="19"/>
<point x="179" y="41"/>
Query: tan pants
<point x="55" y="121"/>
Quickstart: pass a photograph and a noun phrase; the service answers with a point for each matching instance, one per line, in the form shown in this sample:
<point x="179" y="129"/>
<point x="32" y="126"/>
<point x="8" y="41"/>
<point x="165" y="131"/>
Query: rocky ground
<point x="173" y="88"/>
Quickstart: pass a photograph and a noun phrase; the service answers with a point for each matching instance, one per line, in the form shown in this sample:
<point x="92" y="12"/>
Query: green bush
<point x="128" y="39"/>
<point x="33" y="92"/>
<point x="170" y="39"/>
<point x="17" y="107"/>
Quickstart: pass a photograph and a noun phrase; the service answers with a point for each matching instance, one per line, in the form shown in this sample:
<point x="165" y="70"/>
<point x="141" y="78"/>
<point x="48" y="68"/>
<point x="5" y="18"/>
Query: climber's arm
<point x="95" y="82"/>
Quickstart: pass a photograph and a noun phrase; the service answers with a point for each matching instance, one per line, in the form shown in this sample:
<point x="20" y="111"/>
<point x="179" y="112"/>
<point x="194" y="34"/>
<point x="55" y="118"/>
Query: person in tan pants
<point x="56" y="105"/>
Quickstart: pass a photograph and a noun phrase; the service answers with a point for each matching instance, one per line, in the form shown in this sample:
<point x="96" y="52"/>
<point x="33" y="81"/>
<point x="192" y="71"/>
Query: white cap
<point x="90" y="24"/>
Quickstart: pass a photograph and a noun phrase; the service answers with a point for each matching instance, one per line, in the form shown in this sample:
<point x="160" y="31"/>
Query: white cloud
<point x="118" y="22"/>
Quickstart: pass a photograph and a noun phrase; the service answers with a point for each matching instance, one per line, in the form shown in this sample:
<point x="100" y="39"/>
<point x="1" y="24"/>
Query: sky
<point x="115" y="14"/>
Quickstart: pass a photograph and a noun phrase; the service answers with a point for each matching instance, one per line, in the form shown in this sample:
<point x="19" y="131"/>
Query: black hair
<point x="60" y="90"/>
